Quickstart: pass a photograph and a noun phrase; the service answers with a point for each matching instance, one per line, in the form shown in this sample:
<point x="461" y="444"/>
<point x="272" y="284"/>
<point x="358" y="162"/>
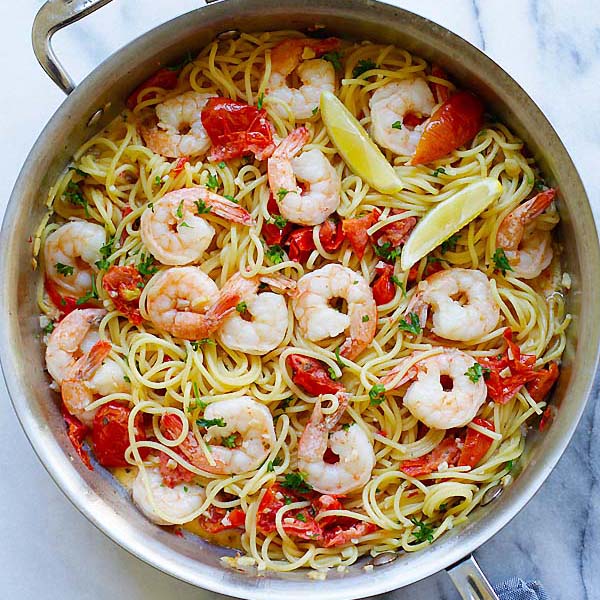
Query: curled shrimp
<point x="461" y="301"/>
<point x="177" y="130"/>
<point x="240" y="440"/>
<point x="320" y="195"/>
<point x="352" y="445"/>
<point x="428" y="397"/>
<point x="317" y="320"/>
<point x="175" y="230"/>
<point x="529" y="250"/>
<point x="260" y="323"/>
<point x="186" y="302"/>
<point x="316" y="75"/>
<point x="70" y="256"/>
<point x="162" y="504"/>
<point x="389" y="106"/>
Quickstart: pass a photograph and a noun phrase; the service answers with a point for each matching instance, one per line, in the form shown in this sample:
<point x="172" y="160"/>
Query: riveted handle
<point x="470" y="581"/>
<point x="53" y="16"/>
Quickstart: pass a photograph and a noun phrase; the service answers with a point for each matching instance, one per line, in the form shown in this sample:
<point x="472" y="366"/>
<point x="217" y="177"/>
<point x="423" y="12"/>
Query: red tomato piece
<point x="476" y="444"/>
<point x="446" y="451"/>
<point x="340" y="535"/>
<point x="65" y="304"/>
<point x="301" y="244"/>
<point x="384" y="288"/>
<point x="236" y="128"/>
<point x="453" y="124"/>
<point x="356" y="231"/>
<point x="218" y="519"/>
<point x="310" y="374"/>
<point x="545" y="379"/>
<point x="173" y="476"/>
<point x="396" y="233"/>
<point x="411" y="120"/>
<point x="110" y="434"/>
<point x="547" y="418"/>
<point x="124" y="286"/>
<point x="430" y="269"/>
<point x="327" y="502"/>
<point x="179" y="166"/>
<point x="272" y="234"/>
<point x="331" y="235"/>
<point x="76" y="432"/>
<point x="441" y="92"/>
<point x="163" y="78"/>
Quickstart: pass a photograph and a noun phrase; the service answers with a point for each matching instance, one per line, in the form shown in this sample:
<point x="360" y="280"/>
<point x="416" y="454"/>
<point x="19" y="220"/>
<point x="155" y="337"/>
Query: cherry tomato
<point x="396" y="233"/>
<point x="446" y="451"/>
<point x="310" y="374"/>
<point x="271" y="232"/>
<point x="301" y="244"/>
<point x="179" y="166"/>
<point x="340" y="535"/>
<point x="173" y="475"/>
<point x="331" y="235"/>
<point x="110" y="434"/>
<point x="411" y="120"/>
<point x="356" y="231"/>
<point x="124" y="285"/>
<point x="236" y="129"/>
<point x="476" y="444"/>
<point x="65" y="304"/>
<point x="163" y="78"/>
<point x="384" y="288"/>
<point x="218" y="519"/>
<point x="538" y="388"/>
<point x="547" y="418"/>
<point x="453" y="124"/>
<point x="77" y="432"/>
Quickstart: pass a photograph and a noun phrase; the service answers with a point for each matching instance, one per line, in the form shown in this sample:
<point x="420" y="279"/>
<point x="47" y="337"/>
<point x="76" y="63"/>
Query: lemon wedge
<point x="447" y="218"/>
<point x="357" y="149"/>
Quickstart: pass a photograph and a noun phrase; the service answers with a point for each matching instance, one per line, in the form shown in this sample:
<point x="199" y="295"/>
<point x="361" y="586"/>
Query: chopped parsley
<point x="338" y="358"/>
<point x="296" y="481"/>
<point x="222" y="164"/>
<point x="105" y="252"/>
<point x="275" y="254"/>
<point x="287" y="500"/>
<point x="286" y="402"/>
<point x="146" y="265"/>
<point x="509" y="465"/>
<point x="438" y="171"/>
<point x="179" y="211"/>
<point x="301" y="517"/>
<point x="158" y="180"/>
<point x="229" y="441"/>
<point x="450" y="243"/>
<point x="185" y="488"/>
<point x="78" y="171"/>
<point x="281" y="194"/>
<point x="397" y="125"/>
<point x="386" y="251"/>
<point x="64" y="270"/>
<point x="211" y="422"/>
<point x="230" y="198"/>
<point x="184" y="224"/>
<point x="334" y="59"/>
<point x="75" y="197"/>
<point x="377" y="394"/>
<point x="539" y="185"/>
<point x="196" y="344"/>
<point x="365" y="318"/>
<point x="398" y="283"/>
<point x="362" y="67"/>
<point x="476" y="372"/>
<point x="501" y="262"/>
<point x="212" y="183"/>
<point x="315" y="110"/>
<point x="411" y="324"/>
<point x="93" y="293"/>
<point x="423" y="532"/>
<point x="443" y="507"/>
<point x="49" y="328"/>
<point x="347" y="426"/>
<point x="259" y="102"/>
<point x="276" y="462"/>
<point x="201" y="207"/>
<point x="151" y="206"/>
<point x="279" y="221"/>
<point x="127" y="379"/>
<point x="242" y="307"/>
<point x="332" y="374"/>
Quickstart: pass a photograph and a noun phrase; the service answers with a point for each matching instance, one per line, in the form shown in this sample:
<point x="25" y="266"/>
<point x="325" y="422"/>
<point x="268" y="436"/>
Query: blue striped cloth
<point x="517" y="589"/>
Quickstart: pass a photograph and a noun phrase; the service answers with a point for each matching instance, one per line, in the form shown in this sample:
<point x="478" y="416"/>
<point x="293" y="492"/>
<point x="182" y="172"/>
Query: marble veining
<point x="49" y="551"/>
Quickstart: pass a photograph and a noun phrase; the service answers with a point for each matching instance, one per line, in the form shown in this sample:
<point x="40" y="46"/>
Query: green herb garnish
<point x="377" y="394"/>
<point x="296" y="481"/>
<point x="212" y="183"/>
<point x="231" y="198"/>
<point x="475" y="372"/>
<point x="387" y="251"/>
<point x="338" y="358"/>
<point x="365" y="318"/>
<point x="92" y="294"/>
<point x="64" y="270"/>
<point x="279" y="221"/>
<point x="146" y="265"/>
<point x="362" y="67"/>
<point x="334" y="58"/>
<point x="259" y="101"/>
<point x="229" y="441"/>
<point x="397" y="125"/>
<point x="222" y="164"/>
<point x="201" y="207"/>
<point x="450" y="243"/>
<point x="242" y="307"/>
<point x="301" y="517"/>
<point x="438" y="171"/>
<point x="411" y="324"/>
<point x="424" y="532"/>
<point x="49" y="328"/>
<point x="501" y="262"/>
<point x="275" y="254"/>
<point x="281" y="194"/>
<point x="211" y="422"/>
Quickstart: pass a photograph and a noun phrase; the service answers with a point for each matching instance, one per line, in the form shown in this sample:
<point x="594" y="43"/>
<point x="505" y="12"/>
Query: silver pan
<point x="99" y="98"/>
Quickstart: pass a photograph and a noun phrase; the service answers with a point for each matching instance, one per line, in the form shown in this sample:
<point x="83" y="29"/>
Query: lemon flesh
<point x="447" y="218"/>
<point x="355" y="146"/>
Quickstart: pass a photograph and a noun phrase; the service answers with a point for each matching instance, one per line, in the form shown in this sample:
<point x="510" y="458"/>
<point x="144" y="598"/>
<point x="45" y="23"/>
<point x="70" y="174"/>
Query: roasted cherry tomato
<point x="453" y="124"/>
<point x="301" y="244"/>
<point x="384" y="288"/>
<point x="476" y="444"/>
<point x="356" y="231"/>
<point x="218" y="519"/>
<point x="271" y="231"/>
<point x="173" y="475"/>
<point x="65" y="304"/>
<point x="331" y="235"/>
<point x="310" y="374"/>
<point x="77" y="432"/>
<point x="538" y="388"/>
<point x="163" y="78"/>
<point x="124" y="285"/>
<point x="236" y="129"/>
<point x="446" y="451"/>
<point x="110" y="434"/>
<point x="396" y="233"/>
<point x="341" y="535"/>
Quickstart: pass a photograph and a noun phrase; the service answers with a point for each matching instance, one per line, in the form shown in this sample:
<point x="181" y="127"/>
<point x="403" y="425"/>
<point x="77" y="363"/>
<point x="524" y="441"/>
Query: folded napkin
<point x="517" y="589"/>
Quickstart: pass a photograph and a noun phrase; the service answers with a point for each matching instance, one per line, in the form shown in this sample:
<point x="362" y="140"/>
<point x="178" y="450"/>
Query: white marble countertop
<point x="48" y="550"/>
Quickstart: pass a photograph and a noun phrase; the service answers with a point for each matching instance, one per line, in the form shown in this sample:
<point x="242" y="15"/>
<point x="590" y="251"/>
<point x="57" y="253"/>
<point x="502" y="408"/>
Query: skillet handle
<point x="470" y="581"/>
<point x="53" y="16"/>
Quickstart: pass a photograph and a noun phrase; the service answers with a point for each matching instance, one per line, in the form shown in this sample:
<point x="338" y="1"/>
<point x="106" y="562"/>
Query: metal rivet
<point x="230" y="34"/>
<point x="93" y="120"/>
<point x="384" y="558"/>
<point x="491" y="494"/>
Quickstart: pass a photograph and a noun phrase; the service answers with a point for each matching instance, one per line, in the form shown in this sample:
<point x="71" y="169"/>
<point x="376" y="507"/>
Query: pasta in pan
<point x="276" y="339"/>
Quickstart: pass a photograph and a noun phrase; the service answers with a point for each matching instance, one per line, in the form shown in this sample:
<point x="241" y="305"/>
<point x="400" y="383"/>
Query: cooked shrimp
<point x="179" y="131"/>
<point x="352" y="445"/>
<point x="320" y="195"/>
<point x="260" y="323"/>
<point x="70" y="255"/>
<point x="317" y="320"/>
<point x="187" y="303"/>
<point x="428" y="398"/>
<point x="316" y="75"/>
<point x="165" y="505"/>
<point x="389" y="106"/>
<point x="463" y="307"/>
<point x="240" y="441"/>
<point x="529" y="250"/>
<point x="174" y="229"/>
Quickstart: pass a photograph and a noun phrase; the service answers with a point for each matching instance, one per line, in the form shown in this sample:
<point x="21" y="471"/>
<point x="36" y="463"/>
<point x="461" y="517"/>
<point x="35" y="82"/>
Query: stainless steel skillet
<point x="98" y="99"/>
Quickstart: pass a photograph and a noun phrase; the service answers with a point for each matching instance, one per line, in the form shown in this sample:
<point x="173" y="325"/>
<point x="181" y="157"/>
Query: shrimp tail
<point x="292" y="144"/>
<point x="89" y="363"/>
<point x="388" y="380"/>
<point x="222" y="207"/>
<point x="279" y="282"/>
